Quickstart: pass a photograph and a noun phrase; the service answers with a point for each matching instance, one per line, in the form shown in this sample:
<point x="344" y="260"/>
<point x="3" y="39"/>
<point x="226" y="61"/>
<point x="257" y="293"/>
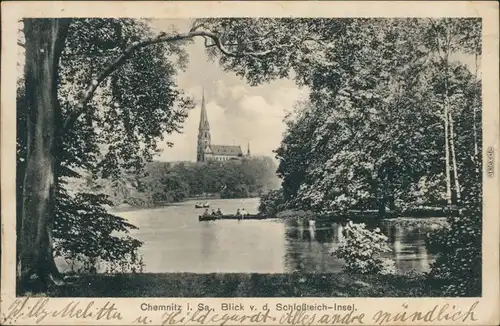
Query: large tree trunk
<point x="44" y="43"/>
<point x="446" y="129"/>
<point x="21" y="163"/>
<point x="447" y="154"/>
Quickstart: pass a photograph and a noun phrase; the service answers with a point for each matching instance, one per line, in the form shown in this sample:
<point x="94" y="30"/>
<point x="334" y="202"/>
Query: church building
<point x="206" y="151"/>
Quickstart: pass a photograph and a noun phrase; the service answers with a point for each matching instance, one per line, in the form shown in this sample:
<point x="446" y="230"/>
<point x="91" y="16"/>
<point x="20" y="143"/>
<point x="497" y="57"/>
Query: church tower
<point x="203" y="131"/>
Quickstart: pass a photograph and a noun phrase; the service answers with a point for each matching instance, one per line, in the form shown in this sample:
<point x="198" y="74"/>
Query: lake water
<point x="175" y="241"/>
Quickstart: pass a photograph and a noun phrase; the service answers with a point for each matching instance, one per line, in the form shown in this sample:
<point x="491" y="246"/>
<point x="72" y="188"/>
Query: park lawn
<point x="246" y="285"/>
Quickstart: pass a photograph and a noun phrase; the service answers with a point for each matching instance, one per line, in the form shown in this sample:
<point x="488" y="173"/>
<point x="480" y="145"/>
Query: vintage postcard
<point x="250" y="163"/>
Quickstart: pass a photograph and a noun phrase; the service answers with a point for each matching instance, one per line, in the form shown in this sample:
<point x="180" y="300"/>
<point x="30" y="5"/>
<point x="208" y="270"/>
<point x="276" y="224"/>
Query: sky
<point x="237" y="112"/>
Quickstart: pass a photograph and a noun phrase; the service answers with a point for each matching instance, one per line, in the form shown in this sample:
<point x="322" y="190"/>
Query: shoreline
<point x="403" y="220"/>
<point x="129" y="208"/>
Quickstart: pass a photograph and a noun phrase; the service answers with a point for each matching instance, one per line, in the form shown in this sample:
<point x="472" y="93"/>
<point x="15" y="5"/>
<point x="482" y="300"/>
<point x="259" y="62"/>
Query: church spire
<point x="248" y="149"/>
<point x="203" y="116"/>
<point x="204" y="138"/>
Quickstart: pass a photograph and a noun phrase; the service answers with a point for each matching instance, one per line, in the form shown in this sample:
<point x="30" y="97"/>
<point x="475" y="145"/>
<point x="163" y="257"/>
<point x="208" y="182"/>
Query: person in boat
<point x="206" y="212"/>
<point x="244" y="212"/>
<point x="213" y="212"/>
<point x="219" y="212"/>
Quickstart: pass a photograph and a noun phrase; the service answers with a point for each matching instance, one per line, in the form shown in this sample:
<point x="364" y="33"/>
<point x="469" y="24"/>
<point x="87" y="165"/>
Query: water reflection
<point x="309" y="246"/>
<point x="175" y="241"/>
<point x="208" y="240"/>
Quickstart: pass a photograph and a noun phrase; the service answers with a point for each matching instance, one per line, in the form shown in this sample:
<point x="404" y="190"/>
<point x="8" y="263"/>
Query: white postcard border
<point x="486" y="310"/>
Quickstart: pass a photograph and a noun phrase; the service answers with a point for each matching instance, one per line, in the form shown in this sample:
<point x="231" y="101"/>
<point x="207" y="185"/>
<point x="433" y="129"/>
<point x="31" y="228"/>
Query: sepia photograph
<point x="249" y="157"/>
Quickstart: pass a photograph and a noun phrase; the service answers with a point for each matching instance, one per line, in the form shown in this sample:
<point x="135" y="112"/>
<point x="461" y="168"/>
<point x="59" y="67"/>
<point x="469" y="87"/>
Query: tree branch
<point x="119" y="60"/>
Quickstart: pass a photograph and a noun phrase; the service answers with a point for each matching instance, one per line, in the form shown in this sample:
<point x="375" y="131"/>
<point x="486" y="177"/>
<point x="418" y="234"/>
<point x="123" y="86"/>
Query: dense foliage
<point x="271" y="202"/>
<point x="167" y="182"/>
<point x="373" y="134"/>
<point x="393" y="122"/>
<point x="459" y="261"/>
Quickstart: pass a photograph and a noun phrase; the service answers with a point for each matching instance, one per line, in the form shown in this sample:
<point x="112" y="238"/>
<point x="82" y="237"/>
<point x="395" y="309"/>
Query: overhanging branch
<point x="119" y="60"/>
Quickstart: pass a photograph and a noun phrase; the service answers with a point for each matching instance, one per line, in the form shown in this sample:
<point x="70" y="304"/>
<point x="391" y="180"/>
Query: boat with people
<point x="357" y="216"/>
<point x="241" y="214"/>
<point x="201" y="205"/>
<point x="214" y="217"/>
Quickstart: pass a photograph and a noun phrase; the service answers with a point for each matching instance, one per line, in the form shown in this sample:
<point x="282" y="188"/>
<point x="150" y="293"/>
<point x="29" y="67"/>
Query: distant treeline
<point x="169" y="182"/>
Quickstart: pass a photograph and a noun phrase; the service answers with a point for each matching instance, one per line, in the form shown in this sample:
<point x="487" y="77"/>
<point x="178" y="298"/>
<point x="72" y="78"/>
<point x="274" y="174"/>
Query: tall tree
<point x="44" y="45"/>
<point x="447" y="38"/>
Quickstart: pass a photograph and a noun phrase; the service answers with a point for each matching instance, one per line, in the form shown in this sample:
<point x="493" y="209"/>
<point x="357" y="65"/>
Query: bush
<point x="458" y="260"/>
<point x="362" y="250"/>
<point x="87" y="237"/>
<point x="271" y="203"/>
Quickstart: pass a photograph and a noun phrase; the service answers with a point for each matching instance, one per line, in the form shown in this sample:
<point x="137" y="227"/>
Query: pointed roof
<point x="226" y="150"/>
<point x="248" y="150"/>
<point x="203" y="115"/>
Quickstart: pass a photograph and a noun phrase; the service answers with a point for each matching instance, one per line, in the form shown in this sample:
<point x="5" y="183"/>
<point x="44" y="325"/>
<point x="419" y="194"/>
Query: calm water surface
<point x="175" y="241"/>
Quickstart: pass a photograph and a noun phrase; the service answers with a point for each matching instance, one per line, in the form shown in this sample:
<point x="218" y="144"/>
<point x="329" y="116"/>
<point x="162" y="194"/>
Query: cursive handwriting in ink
<point x="15" y="310"/>
<point x="202" y="317"/>
<point x="142" y="320"/>
<point x="74" y="310"/>
<point x="437" y="313"/>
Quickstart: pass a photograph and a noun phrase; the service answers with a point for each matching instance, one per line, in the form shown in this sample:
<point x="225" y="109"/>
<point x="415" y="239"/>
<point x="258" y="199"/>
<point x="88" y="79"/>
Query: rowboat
<point x="202" y="205"/>
<point x="231" y="217"/>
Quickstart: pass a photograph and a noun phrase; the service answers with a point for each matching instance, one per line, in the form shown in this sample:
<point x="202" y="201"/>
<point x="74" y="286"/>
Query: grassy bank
<point x="247" y="285"/>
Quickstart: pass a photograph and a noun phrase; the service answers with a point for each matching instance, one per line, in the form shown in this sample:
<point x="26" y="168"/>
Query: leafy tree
<point x="85" y="233"/>
<point x="295" y="150"/>
<point x="383" y="76"/>
<point x="88" y="44"/>
<point x="361" y="94"/>
<point x="459" y="256"/>
<point x="271" y="202"/>
<point x="164" y="182"/>
<point x="175" y="189"/>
